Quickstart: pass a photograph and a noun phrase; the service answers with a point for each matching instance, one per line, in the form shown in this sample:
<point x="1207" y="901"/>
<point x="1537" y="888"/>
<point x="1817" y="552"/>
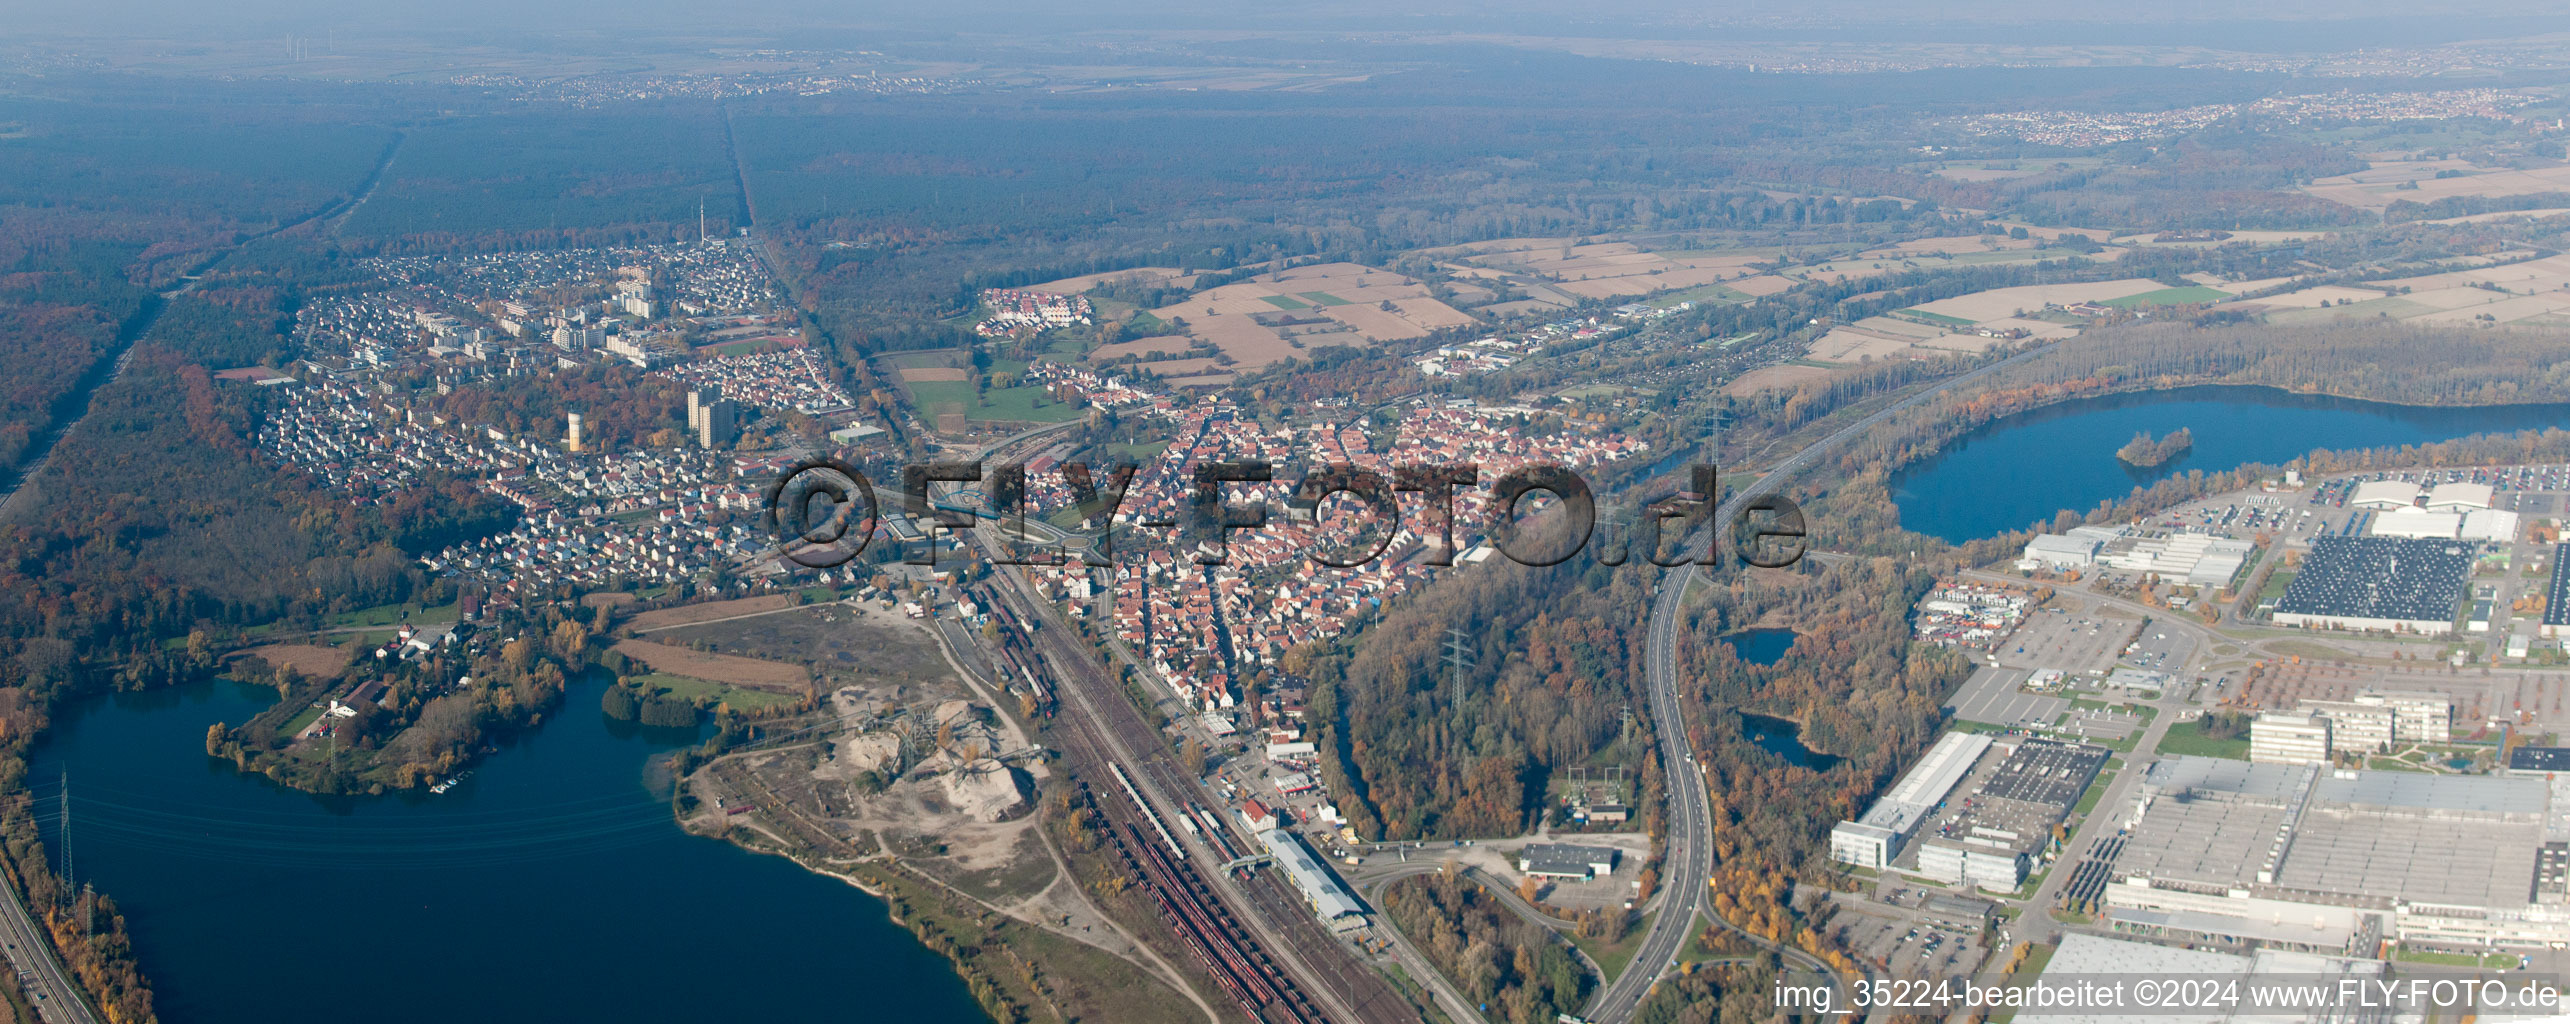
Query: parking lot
<point x="1992" y="696"/>
<point x="2160" y="650"/>
<point x="2074" y="642"/>
<point x="2099" y="724"/>
<point x="1905" y="947"/>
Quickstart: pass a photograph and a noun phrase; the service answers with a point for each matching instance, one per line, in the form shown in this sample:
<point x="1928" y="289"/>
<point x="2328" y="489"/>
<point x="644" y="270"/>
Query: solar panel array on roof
<point x="2539" y="759"/>
<point x="2047" y="772"/>
<point x="2378" y="579"/>
<point x="2556" y="612"/>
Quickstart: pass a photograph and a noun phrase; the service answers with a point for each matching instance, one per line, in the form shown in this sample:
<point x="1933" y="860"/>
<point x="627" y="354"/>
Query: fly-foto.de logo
<point x="824" y="513"/>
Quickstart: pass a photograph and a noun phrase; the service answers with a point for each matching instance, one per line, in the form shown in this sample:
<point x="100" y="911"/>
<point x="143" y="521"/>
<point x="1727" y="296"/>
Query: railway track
<point x="1149" y="851"/>
<point x="1102" y="735"/>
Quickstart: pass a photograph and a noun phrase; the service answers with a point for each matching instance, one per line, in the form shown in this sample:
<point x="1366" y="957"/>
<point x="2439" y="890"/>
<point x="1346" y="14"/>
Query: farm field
<point x="2170" y="297"/>
<point x="945" y="396"/>
<point x="2383" y="183"/>
<point x="1782" y="375"/>
<point x="1157" y="345"/>
<point x="312" y="660"/>
<point x="664" y="618"/>
<point x="1271" y="317"/>
<point x="845" y="643"/>
<point x="1983" y="306"/>
<point x="720" y="668"/>
<point x="1598" y="270"/>
<point x="2516" y="290"/>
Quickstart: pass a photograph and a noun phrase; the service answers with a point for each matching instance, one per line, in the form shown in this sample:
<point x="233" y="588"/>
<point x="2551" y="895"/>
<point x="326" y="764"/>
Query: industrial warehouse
<point x="1990" y="835"/>
<point x="2303" y="857"/>
<point x="1873" y="840"/>
<point x="2395" y="584"/>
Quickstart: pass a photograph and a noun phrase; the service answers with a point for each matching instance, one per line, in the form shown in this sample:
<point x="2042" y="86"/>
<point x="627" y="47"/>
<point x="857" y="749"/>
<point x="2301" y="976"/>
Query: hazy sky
<point x="162" y="19"/>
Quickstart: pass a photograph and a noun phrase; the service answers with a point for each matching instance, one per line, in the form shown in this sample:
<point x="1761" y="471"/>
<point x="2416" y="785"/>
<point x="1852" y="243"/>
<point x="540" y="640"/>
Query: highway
<point x="40" y="975"/>
<point x="1687" y="860"/>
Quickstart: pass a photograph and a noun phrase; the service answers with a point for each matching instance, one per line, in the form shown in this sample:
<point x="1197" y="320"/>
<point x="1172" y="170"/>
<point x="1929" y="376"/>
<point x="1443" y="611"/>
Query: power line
<point x="1458" y="653"/>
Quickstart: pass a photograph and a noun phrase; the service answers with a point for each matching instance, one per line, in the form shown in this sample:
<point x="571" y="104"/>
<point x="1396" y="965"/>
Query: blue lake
<point x="2021" y="470"/>
<point x="1783" y="738"/>
<point x="551" y="885"/>
<point x="1760" y="646"/>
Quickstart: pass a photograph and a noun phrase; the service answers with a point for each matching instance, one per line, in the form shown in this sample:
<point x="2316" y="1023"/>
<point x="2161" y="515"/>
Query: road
<point x="40" y="448"/>
<point x="47" y="984"/>
<point x="1687" y="862"/>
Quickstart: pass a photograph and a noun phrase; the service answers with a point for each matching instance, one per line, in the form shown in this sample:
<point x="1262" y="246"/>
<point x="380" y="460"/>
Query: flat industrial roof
<point x="2462" y="493"/>
<point x="2471" y="794"/>
<point x="2273" y="782"/>
<point x="2098" y="956"/>
<point x="1328" y="897"/>
<point x="1926" y="783"/>
<point x="2205" y="841"/>
<point x="2455" y="863"/>
<point x="2324" y="926"/>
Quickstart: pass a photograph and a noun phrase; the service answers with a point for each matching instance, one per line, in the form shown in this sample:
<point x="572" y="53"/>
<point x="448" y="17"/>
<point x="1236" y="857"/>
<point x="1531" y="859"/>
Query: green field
<point x="1613" y="957"/>
<point x="692" y="688"/>
<point x="2170" y="297"/>
<point x="1699" y="293"/>
<point x="1325" y="298"/>
<point x="1020" y="404"/>
<point x="1938" y="319"/>
<point x="2277" y="582"/>
<point x="391" y="614"/>
<point x="922" y="360"/>
<point x="296" y="724"/>
<point x="2370" y="309"/>
<point x="2189" y="738"/>
<point x="1281" y="302"/>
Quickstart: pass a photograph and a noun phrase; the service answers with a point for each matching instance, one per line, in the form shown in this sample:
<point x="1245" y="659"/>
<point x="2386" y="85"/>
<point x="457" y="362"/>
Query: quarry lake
<point x="2016" y="471"/>
<point x="549" y="885"/>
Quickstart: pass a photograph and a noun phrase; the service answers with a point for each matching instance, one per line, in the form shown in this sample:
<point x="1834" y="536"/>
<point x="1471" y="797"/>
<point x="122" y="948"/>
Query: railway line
<point x="1255" y="924"/>
<point x="1150" y="851"/>
<point x="1102" y="736"/>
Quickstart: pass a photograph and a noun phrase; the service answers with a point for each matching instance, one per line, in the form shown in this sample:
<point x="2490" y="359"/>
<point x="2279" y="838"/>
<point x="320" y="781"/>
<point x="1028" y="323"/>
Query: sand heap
<point x="985" y="789"/>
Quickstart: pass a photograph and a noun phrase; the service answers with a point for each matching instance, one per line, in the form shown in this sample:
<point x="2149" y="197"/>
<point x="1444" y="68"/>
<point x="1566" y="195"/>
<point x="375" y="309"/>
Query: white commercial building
<point x="2459" y="496"/>
<point x="2280" y="738"/>
<point x="2412" y="521"/>
<point x="2416" y="717"/>
<point x="1989" y="864"/>
<point x="2353" y="725"/>
<point x="2059" y="551"/>
<point x="2340" y="861"/>
<point x="2382" y="494"/>
<point x="2490" y="525"/>
<point x="1873" y="839"/>
<point x="2198" y="558"/>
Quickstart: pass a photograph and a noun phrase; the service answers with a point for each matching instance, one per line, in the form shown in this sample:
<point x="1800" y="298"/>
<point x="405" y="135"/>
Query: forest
<point x="108" y="199"/>
<point x="1421" y="750"/>
<point x="1523" y="972"/>
<point x="537" y="179"/>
